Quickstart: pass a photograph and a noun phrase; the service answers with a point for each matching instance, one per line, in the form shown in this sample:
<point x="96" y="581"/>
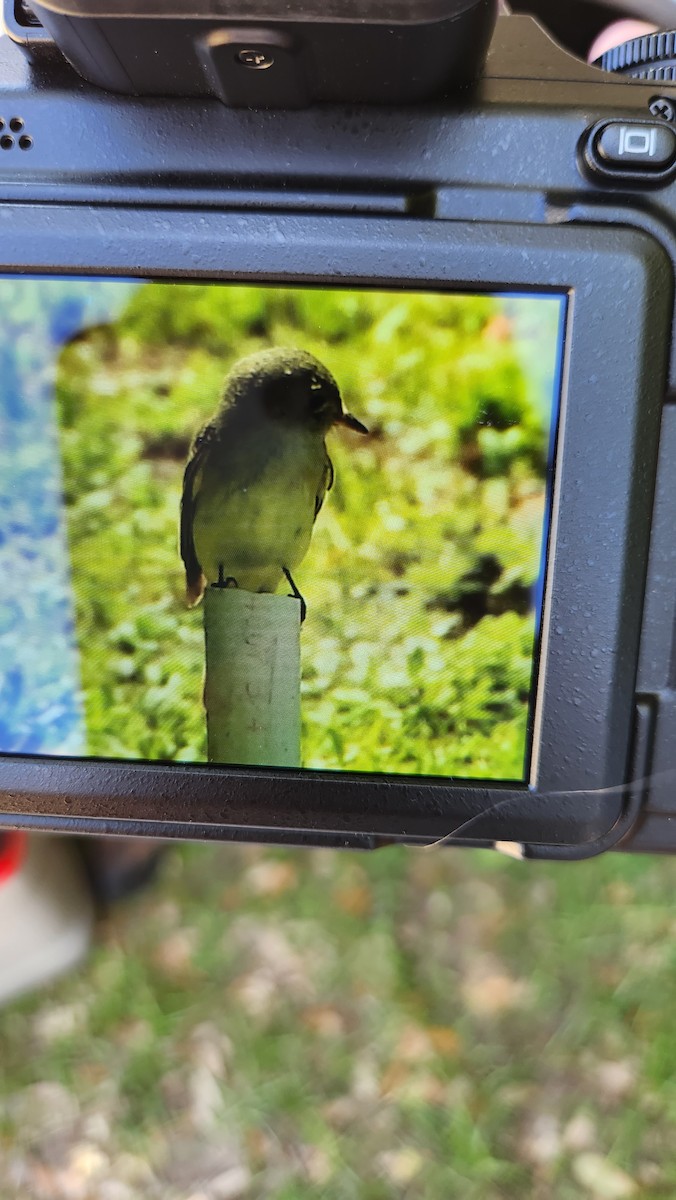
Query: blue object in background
<point x="40" y="700"/>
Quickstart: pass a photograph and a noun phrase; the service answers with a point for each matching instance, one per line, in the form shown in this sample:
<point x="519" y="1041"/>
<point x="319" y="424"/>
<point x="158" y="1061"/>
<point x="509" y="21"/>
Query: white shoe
<point x="46" y="911"/>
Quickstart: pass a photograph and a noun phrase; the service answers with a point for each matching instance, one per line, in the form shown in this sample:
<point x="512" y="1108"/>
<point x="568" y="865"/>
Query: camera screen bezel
<point x="619" y="285"/>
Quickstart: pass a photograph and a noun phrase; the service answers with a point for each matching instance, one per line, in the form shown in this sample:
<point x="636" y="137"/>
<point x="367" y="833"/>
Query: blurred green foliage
<point x="420" y="582"/>
<point x="414" y="1024"/>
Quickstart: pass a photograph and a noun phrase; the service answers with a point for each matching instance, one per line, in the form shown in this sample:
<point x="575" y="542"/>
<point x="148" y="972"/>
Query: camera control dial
<point x="652" y="57"/>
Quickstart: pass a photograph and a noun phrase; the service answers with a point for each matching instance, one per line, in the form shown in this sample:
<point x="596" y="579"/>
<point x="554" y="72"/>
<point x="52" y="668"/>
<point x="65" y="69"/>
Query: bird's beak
<point x="351" y="422"/>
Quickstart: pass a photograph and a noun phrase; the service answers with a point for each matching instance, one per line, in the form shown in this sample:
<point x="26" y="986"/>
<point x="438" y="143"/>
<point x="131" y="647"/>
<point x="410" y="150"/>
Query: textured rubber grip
<point x="650" y="57"/>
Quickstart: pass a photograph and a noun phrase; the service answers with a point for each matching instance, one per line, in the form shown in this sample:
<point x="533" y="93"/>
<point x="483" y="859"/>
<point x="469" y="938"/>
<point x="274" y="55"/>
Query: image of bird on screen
<point x="258" y="473"/>
<point x="419" y="548"/>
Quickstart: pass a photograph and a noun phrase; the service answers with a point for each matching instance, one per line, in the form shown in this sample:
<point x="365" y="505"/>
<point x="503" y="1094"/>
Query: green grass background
<point x="418" y="1024"/>
<point x="418" y="648"/>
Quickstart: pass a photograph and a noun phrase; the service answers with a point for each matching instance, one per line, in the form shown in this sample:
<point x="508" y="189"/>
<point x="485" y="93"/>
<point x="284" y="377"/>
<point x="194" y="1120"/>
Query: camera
<point x="364" y="345"/>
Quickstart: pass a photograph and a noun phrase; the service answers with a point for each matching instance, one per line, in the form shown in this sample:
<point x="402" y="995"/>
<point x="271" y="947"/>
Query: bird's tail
<point x="194" y="589"/>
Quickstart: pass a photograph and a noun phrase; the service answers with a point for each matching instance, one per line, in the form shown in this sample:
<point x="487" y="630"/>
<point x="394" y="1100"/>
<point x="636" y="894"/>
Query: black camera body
<point x="547" y="177"/>
<point x="255" y="54"/>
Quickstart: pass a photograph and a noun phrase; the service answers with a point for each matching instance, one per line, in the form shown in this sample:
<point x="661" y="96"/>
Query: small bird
<point x="258" y="473"/>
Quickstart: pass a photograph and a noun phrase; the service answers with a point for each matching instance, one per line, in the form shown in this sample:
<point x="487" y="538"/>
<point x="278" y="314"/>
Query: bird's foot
<point x="224" y="581"/>
<point x="296" y="594"/>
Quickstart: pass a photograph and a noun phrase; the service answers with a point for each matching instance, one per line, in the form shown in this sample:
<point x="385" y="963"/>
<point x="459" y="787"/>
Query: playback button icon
<point x="643" y="151"/>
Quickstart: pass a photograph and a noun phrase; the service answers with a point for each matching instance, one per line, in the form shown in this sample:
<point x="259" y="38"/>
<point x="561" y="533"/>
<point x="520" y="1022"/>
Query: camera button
<point x="642" y="150"/>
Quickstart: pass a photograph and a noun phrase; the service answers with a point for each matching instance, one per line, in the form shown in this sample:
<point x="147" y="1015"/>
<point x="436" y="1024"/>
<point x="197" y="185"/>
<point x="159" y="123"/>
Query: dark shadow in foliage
<point x="476" y="595"/>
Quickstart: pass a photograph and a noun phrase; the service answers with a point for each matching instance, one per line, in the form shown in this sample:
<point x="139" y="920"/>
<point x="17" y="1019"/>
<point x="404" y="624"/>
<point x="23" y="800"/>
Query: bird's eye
<point x="315" y="385"/>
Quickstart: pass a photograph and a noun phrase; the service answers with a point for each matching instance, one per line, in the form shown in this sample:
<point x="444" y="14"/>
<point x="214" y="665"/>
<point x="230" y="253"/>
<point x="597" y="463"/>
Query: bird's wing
<point x="325" y="485"/>
<point x="192" y="478"/>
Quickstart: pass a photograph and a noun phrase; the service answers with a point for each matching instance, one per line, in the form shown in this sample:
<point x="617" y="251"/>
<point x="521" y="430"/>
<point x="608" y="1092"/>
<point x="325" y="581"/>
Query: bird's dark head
<point x="291" y="387"/>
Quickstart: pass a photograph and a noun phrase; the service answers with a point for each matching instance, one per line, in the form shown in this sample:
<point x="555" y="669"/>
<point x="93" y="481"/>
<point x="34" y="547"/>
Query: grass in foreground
<point x="304" y="1025"/>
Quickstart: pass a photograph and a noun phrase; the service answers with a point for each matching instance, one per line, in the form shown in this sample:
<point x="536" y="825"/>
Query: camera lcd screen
<point x="385" y="456"/>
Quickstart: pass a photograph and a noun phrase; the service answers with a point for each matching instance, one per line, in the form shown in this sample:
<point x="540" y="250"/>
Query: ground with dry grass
<point x="301" y="1025"/>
